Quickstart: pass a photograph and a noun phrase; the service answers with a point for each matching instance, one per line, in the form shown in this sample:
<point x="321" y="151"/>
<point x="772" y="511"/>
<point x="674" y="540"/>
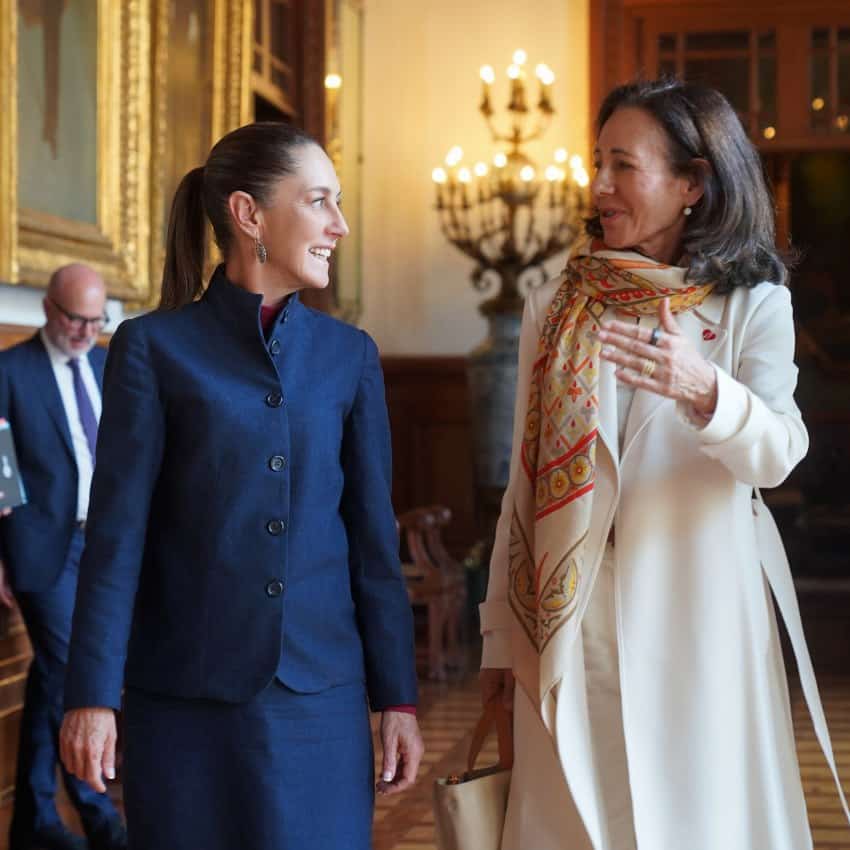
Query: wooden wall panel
<point x="428" y="404"/>
<point x="15" y="655"/>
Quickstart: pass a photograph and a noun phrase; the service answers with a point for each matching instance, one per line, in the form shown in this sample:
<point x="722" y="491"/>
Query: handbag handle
<point x="494" y="714"/>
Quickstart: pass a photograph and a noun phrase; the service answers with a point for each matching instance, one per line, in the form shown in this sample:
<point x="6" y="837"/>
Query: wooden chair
<point x="436" y="584"/>
<point x="454" y="577"/>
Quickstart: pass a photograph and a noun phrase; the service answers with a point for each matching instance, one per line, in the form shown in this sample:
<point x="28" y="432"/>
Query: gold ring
<point x="648" y="367"/>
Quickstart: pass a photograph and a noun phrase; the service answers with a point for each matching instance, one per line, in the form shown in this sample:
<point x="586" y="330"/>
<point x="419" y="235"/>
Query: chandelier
<point x="509" y="216"/>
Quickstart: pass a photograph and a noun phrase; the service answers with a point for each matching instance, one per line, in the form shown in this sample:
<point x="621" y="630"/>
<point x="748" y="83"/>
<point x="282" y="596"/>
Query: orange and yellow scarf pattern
<point x="553" y="498"/>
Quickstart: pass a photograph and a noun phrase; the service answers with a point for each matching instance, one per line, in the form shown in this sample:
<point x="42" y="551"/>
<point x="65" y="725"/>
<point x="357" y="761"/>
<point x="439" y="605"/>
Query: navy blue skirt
<point x="285" y="771"/>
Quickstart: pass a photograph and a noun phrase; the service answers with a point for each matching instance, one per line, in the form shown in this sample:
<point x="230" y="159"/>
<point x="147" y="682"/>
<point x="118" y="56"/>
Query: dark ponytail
<point x="249" y="159"/>
<point x="182" y="278"/>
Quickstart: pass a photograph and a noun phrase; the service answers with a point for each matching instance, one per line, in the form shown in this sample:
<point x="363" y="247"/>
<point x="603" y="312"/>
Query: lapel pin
<point x="708" y="335"/>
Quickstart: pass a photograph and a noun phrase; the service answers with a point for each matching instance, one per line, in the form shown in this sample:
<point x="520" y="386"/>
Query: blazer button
<point x="274" y="588"/>
<point x="276" y="526"/>
<point x="277" y="462"/>
<point x="274" y="399"/>
<point x="274" y="347"/>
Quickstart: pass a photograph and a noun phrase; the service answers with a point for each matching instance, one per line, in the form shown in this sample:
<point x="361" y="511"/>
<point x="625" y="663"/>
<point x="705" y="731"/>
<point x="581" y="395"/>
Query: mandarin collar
<point x="241" y="309"/>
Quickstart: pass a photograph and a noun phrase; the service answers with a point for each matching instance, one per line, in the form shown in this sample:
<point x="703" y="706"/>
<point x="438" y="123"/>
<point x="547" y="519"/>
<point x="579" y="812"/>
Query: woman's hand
<point x="87" y="745"/>
<point x="497" y="683"/>
<point x="403" y="749"/>
<point x="672" y="368"/>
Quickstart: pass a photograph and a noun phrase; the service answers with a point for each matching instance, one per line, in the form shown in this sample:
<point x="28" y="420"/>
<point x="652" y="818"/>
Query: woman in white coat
<point x="627" y="596"/>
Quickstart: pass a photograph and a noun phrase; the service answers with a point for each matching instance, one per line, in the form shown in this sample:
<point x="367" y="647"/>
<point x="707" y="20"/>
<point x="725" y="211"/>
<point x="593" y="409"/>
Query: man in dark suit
<point x="50" y="389"/>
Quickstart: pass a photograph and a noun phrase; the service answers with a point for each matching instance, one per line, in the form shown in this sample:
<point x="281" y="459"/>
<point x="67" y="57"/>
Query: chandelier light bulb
<point x="581" y="177"/>
<point x="488" y="74"/>
<point x="464" y="175"/>
<point x="561" y="155"/>
<point x="520" y="57"/>
<point x="545" y="74"/>
<point x="553" y="173"/>
<point x="500" y="160"/>
<point x="480" y="169"/>
<point x="438" y="175"/>
<point x="454" y="156"/>
<point x="575" y="162"/>
<point x="514" y="72"/>
<point x="526" y="174"/>
<point x="818" y="103"/>
<point x="333" y="81"/>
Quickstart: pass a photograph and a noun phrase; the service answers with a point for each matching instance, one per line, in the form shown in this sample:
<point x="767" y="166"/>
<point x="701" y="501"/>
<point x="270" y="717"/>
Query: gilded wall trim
<point x="8" y="138"/>
<point x="119" y="242"/>
<point x="125" y="241"/>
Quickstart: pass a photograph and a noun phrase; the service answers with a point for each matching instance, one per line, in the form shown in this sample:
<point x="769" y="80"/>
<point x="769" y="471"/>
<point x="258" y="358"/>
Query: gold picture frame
<point x="344" y="141"/>
<point x="226" y="100"/>
<point x="124" y="241"/>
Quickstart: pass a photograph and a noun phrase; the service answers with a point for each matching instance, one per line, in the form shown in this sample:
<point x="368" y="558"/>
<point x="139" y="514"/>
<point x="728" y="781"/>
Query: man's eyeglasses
<point x="79" y="323"/>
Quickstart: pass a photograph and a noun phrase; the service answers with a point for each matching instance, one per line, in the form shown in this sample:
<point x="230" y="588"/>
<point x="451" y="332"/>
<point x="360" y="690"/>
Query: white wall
<point x="21" y="305"/>
<point x="421" y="96"/>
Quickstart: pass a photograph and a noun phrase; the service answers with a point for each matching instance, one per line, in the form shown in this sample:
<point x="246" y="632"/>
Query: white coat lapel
<point x="702" y="325"/>
<point x="608" y="432"/>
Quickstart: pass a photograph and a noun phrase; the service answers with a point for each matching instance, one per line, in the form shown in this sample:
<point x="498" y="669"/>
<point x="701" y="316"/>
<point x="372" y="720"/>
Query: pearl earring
<point x="687" y="210"/>
<point x="262" y="253"/>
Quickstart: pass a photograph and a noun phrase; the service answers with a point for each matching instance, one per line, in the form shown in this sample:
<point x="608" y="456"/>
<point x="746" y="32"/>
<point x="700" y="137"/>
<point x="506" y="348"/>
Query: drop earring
<point x="262" y="253"/>
<point x="687" y="211"/>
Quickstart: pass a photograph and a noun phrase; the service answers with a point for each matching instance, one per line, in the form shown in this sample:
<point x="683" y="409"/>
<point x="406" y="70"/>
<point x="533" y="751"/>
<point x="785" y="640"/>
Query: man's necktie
<point x="87" y="418"/>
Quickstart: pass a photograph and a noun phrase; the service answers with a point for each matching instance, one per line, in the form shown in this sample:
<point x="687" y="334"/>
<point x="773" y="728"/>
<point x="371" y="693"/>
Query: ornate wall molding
<point x="117" y="244"/>
<point x="124" y="239"/>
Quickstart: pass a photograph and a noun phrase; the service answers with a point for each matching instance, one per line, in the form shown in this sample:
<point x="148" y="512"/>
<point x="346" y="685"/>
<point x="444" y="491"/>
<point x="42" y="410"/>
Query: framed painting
<point x="98" y="120"/>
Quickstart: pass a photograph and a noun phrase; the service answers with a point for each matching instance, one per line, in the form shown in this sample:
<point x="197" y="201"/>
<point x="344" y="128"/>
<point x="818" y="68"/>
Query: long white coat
<point x="706" y="718"/>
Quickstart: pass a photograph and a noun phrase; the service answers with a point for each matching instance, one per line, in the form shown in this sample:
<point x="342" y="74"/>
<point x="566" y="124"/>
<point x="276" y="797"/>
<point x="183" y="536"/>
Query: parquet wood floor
<point x="449" y="712"/>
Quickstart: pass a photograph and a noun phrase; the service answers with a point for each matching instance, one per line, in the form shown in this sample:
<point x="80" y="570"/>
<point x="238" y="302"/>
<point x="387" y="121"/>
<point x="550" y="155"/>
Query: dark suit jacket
<point x="241" y="523"/>
<point x="34" y="540"/>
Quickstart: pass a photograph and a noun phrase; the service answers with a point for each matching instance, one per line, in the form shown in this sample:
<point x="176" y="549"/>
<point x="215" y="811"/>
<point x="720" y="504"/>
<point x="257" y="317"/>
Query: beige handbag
<point x="469" y="810"/>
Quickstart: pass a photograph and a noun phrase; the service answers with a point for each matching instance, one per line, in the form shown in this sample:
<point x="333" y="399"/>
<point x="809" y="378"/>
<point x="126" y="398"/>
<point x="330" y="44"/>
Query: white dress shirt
<point x="65" y="381"/>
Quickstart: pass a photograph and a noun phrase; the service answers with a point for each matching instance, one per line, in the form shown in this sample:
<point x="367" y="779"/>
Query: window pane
<point x="842" y="120"/>
<point x="667" y="43"/>
<point x="767" y="91"/>
<point x="730" y="75"/>
<point x="820" y="39"/>
<point x="258" y="21"/>
<point x="282" y="32"/>
<point x="731" y="40"/>
<point x="820" y="104"/>
<point x="282" y="79"/>
<point x="767" y="40"/>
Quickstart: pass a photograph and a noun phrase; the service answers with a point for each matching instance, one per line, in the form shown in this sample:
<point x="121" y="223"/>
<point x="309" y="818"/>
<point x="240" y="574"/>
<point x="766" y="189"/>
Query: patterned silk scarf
<point x="554" y="491"/>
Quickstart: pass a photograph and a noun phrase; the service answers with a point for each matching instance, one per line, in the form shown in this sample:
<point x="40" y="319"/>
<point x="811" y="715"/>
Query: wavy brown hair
<point x="730" y="236"/>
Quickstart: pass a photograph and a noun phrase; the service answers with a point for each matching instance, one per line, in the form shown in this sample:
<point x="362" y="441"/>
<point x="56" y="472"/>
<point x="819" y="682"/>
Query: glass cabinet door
<point x="829" y="70"/>
<point x="741" y="63"/>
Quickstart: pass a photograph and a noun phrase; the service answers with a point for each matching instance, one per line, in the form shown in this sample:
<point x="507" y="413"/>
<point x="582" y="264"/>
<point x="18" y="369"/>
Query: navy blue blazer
<point x="34" y="540"/>
<point x="241" y="525"/>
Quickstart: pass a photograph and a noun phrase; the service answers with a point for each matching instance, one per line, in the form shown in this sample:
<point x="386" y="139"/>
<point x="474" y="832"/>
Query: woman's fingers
<point x="666" y="319"/>
<point x="400" y="736"/>
<point x="87" y="745"/>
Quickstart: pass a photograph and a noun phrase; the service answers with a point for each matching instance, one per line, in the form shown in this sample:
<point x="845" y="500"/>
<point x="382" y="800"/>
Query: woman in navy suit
<point x="241" y="575"/>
